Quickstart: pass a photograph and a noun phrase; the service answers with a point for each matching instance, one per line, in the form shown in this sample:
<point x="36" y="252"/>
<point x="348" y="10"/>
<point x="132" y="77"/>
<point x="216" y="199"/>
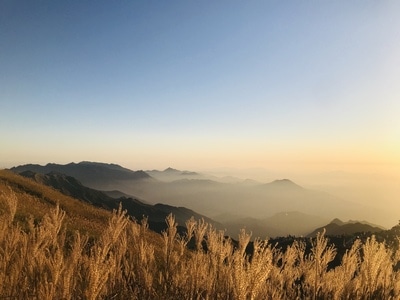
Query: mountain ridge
<point x="155" y="214"/>
<point x="91" y="174"/>
<point x="210" y="197"/>
<point x="346" y="228"/>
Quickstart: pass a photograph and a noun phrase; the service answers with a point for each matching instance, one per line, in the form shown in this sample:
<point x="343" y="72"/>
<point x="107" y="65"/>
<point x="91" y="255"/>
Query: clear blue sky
<point x="193" y="84"/>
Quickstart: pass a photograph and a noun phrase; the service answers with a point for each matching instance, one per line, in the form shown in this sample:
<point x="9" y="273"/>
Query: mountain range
<point x="91" y="174"/>
<point x="338" y="227"/>
<point x="156" y="214"/>
<point x="277" y="208"/>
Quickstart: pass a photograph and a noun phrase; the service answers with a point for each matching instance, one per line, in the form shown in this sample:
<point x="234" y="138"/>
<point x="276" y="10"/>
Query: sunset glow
<point x="295" y="89"/>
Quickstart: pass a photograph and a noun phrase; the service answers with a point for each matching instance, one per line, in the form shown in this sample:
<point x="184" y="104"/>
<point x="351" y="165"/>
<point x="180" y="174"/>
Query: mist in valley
<point x="345" y="195"/>
<point x="373" y="189"/>
<point x="295" y="205"/>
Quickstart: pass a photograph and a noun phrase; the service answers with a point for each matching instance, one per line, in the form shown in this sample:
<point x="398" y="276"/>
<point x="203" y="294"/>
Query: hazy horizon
<point x="375" y="189"/>
<point x="268" y="89"/>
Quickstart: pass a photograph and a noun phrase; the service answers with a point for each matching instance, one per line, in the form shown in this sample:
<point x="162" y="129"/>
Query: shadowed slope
<point x="156" y="214"/>
<point x="91" y="174"/>
<point x="36" y="200"/>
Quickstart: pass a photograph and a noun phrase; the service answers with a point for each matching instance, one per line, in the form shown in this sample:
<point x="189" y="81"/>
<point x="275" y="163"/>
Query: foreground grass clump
<point x="43" y="260"/>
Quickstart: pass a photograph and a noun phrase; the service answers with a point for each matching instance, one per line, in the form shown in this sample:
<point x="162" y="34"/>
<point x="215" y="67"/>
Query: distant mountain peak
<point x="337" y="227"/>
<point x="169" y="169"/>
<point x="189" y="173"/>
<point x="86" y="162"/>
<point x="91" y="174"/>
<point x="283" y="181"/>
<point x="337" y="222"/>
<point x="100" y="164"/>
<point x="142" y="174"/>
<point x="286" y="183"/>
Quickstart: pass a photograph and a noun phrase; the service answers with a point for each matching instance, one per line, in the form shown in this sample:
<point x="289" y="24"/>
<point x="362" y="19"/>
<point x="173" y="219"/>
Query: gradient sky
<point x="201" y="84"/>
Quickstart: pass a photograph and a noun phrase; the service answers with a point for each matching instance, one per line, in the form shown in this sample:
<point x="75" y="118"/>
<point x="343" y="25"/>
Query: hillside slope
<point x="156" y="214"/>
<point x="36" y="200"/>
<point x="92" y="174"/>
<point x="205" y="196"/>
<point x="40" y="261"/>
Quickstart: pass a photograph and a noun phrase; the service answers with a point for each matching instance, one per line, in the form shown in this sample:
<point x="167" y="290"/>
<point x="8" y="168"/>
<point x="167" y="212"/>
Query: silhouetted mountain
<point x="337" y="222"/>
<point x="365" y="223"/>
<point x="156" y="213"/>
<point x="189" y="173"/>
<point x="118" y="194"/>
<point x="337" y="227"/>
<point x="70" y="186"/>
<point x="208" y="196"/>
<point x="91" y="174"/>
<point x="171" y="170"/>
<point x="283" y="184"/>
<point x="171" y="174"/>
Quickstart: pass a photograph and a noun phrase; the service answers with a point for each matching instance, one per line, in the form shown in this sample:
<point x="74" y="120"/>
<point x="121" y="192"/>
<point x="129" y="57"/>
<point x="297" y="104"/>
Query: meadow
<point x="47" y="258"/>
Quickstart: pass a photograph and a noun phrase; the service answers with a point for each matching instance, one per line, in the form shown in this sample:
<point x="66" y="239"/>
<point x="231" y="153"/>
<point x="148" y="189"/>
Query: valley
<point x="278" y="208"/>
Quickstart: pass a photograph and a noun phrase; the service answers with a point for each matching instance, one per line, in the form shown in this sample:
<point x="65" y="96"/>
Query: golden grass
<point x="36" y="200"/>
<point x="116" y="258"/>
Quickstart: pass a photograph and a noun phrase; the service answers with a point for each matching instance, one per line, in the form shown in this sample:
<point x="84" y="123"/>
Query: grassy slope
<point x="35" y="199"/>
<point x="126" y="261"/>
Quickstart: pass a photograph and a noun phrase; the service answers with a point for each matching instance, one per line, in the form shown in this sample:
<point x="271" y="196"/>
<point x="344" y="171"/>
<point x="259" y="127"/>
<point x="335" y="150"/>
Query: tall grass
<point x="44" y="261"/>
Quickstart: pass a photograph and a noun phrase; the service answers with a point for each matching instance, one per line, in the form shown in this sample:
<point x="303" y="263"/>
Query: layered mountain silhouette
<point x="171" y="174"/>
<point x="283" y="184"/>
<point x="248" y="201"/>
<point x="91" y="174"/>
<point x="338" y="227"/>
<point x="156" y="214"/>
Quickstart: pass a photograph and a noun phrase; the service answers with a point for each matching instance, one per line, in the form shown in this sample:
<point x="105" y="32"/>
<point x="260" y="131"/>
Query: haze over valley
<point x="277" y="208"/>
<point x="199" y="149"/>
<point x="247" y="113"/>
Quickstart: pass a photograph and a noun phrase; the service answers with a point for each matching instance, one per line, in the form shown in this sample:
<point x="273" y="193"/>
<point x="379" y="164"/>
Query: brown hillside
<point x="35" y="200"/>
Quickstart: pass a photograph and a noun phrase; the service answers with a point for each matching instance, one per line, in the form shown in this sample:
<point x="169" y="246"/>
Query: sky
<point x="291" y="86"/>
